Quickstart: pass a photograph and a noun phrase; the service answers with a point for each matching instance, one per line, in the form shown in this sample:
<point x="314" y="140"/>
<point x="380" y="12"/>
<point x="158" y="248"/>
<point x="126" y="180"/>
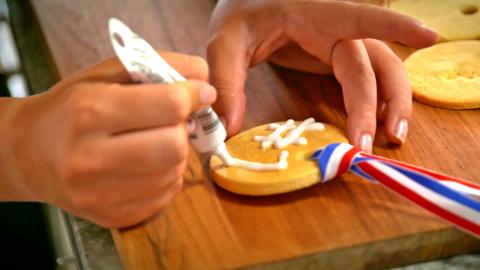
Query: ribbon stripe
<point x="449" y="198"/>
<point x="427" y="204"/>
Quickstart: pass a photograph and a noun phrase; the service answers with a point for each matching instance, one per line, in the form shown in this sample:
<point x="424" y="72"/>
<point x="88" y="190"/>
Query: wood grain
<point x="344" y="224"/>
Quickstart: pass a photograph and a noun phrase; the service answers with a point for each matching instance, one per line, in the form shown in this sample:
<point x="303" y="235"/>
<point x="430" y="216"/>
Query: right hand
<point x="109" y="152"/>
<point x="322" y="37"/>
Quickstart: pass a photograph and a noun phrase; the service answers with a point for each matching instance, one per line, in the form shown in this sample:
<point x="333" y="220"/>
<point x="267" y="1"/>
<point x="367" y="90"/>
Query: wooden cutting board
<point x="345" y="224"/>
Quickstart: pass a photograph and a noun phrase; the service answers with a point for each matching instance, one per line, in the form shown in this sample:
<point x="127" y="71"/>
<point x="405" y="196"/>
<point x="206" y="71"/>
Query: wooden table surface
<point x="348" y="223"/>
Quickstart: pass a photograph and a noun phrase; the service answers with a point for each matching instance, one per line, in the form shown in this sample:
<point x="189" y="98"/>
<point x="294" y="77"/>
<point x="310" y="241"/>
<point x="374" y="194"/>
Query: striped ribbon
<point x="450" y="198"/>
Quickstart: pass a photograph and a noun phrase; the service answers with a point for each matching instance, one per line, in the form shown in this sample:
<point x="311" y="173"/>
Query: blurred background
<point x="32" y="235"/>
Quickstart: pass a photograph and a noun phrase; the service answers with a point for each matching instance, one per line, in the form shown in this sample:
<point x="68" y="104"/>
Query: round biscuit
<point x="452" y="19"/>
<point x="301" y="172"/>
<point x="446" y="75"/>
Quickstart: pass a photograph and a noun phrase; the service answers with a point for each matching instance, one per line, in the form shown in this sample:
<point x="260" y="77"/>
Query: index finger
<point x="111" y="70"/>
<point x="118" y="108"/>
<point x="347" y="20"/>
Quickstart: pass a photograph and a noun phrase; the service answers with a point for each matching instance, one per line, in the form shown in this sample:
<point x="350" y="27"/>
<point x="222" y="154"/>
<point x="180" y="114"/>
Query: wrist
<point x="12" y="187"/>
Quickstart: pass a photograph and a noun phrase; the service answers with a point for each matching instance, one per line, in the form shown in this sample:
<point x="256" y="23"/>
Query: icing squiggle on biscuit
<point x="228" y="160"/>
<point x="293" y="137"/>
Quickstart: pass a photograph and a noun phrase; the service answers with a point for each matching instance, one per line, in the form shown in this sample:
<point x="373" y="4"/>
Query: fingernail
<point x="401" y="130"/>
<point x="429" y="30"/>
<point x="206" y="94"/>
<point x="366" y="142"/>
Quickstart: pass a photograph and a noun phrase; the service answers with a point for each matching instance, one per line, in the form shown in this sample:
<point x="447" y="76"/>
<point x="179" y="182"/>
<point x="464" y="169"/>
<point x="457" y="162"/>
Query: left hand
<point x="100" y="147"/>
<point x="322" y="37"/>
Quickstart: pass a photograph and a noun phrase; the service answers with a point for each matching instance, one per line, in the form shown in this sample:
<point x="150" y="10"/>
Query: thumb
<point x="228" y="64"/>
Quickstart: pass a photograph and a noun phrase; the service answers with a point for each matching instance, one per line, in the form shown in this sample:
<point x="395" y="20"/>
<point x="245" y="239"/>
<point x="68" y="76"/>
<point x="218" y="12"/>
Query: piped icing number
<point x="275" y="140"/>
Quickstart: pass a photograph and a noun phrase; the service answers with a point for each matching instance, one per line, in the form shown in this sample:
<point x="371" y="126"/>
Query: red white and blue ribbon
<point x="450" y="198"/>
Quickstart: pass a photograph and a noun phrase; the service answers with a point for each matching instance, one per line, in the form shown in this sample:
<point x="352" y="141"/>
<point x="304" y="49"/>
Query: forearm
<point x="10" y="185"/>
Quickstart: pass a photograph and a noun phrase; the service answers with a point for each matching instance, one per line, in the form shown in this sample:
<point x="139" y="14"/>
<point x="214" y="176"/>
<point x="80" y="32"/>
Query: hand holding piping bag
<point x="145" y="65"/>
<point x="322" y="37"/>
<point x="100" y="147"/>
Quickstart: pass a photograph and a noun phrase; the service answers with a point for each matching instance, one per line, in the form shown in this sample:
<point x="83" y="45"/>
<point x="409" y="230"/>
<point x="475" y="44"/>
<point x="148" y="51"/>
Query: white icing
<point x="293" y="137"/>
<point x="228" y="160"/>
<point x="267" y="141"/>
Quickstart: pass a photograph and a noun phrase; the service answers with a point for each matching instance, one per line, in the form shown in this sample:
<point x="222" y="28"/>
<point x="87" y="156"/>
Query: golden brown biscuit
<point x="301" y="172"/>
<point x="447" y="74"/>
<point x="452" y="19"/>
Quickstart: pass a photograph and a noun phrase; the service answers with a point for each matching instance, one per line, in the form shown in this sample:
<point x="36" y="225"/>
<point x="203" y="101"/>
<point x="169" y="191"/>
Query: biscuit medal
<point x="273" y="158"/>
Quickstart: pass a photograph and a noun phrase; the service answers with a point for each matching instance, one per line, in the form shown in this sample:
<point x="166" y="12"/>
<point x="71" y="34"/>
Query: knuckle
<point x="365" y="71"/>
<point x="178" y="171"/>
<point x="395" y="61"/>
<point x="179" y="103"/>
<point x="360" y="17"/>
<point x="82" y="166"/>
<point x="368" y="113"/>
<point x="164" y="181"/>
<point x="358" y="20"/>
<point x="175" y="173"/>
<point x="402" y="107"/>
<point x="224" y="86"/>
<point x="160" y="204"/>
<point x="201" y="66"/>
<point x="178" y="185"/>
<point x="383" y="54"/>
<point x="83" y="201"/>
<point x="199" y="61"/>
<point x="180" y="147"/>
<point x="293" y="15"/>
<point x="83" y="110"/>
<point x="388" y="60"/>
